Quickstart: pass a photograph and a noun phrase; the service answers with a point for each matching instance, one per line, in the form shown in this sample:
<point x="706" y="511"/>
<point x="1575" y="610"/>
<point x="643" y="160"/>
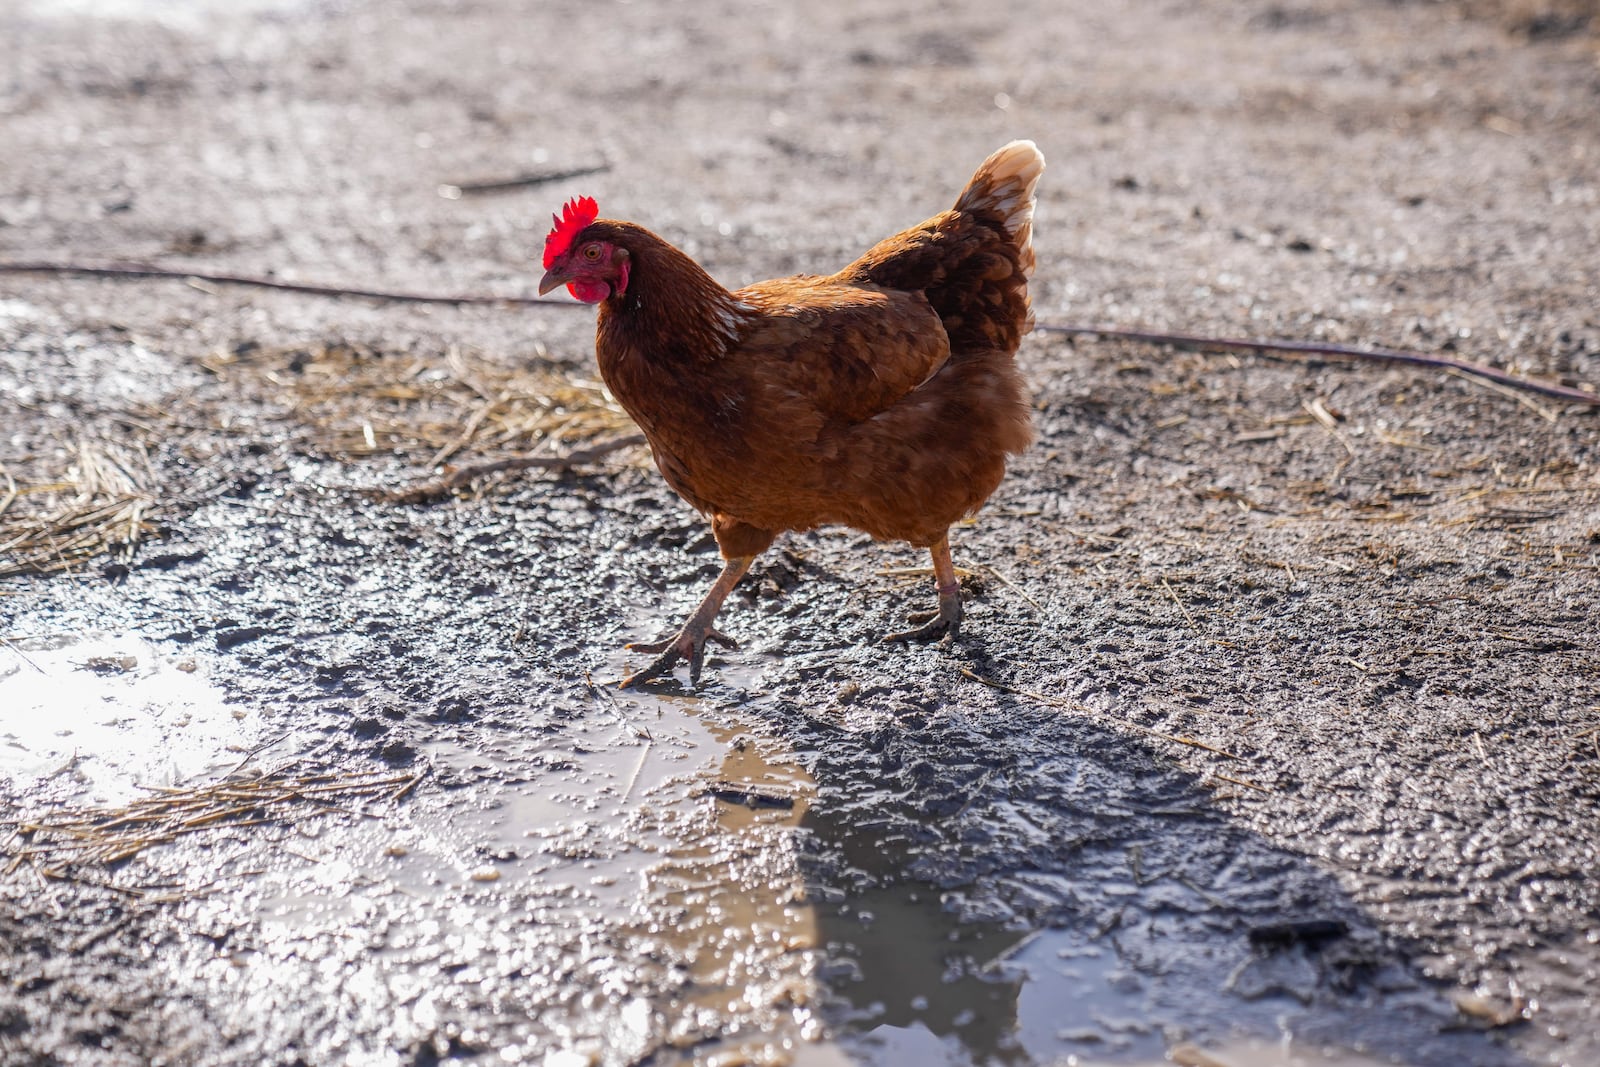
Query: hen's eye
<point x="592" y="252"/>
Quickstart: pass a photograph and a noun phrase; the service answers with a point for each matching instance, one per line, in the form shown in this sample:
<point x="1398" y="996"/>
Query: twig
<point x="147" y="270"/>
<point x="1313" y="348"/>
<point x="11" y="489"/>
<point x="1319" y="411"/>
<point x="451" y="190"/>
<point x="1204" y="894"/>
<point x="12" y="645"/>
<point x="94" y="937"/>
<point x="252" y="754"/>
<point x="1241" y="781"/>
<point x="1178" y="601"/>
<point x="749" y="796"/>
<point x="1538" y="409"/>
<point x="440" y="487"/>
<point x="633" y="779"/>
<point x="917" y="572"/>
<point x="466" y="432"/>
<point x="405" y="790"/>
<point x="1009" y="584"/>
<point x="1309" y="348"/>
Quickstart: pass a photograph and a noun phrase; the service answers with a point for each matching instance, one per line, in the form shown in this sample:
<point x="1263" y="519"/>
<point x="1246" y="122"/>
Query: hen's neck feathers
<point x="672" y="309"/>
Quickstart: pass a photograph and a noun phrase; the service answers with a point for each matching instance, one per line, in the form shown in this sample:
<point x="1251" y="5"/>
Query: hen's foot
<point x="945" y="622"/>
<point x="688" y="643"/>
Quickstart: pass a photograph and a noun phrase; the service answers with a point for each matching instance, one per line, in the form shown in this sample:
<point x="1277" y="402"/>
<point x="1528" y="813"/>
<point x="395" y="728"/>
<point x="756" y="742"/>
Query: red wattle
<point x="589" y="292"/>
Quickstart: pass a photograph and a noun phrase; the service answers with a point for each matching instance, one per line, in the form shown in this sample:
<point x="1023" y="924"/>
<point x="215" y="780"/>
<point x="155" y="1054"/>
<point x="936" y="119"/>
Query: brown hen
<point x="884" y="397"/>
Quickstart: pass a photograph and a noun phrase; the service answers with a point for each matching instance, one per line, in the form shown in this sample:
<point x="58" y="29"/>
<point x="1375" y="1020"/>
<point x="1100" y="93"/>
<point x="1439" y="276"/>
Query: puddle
<point x="916" y="979"/>
<point x="652" y="832"/>
<point x="628" y="878"/>
<point x="923" y="987"/>
<point x="920" y="987"/>
<point x="92" y="717"/>
<point x="741" y="917"/>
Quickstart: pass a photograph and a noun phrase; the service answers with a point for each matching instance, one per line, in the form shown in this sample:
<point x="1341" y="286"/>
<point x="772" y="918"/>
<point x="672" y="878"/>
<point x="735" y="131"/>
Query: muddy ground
<point x="1291" y="751"/>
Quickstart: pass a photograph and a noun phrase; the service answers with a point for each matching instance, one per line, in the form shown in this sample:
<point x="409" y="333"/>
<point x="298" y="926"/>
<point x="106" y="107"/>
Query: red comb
<point x="578" y="213"/>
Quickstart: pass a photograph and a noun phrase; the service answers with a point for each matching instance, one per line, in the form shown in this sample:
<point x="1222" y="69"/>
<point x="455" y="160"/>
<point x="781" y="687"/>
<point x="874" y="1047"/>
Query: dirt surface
<point x="1293" y="746"/>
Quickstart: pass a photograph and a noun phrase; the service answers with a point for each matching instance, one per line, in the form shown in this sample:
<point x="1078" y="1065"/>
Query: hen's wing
<point x="970" y="275"/>
<point x="844" y="351"/>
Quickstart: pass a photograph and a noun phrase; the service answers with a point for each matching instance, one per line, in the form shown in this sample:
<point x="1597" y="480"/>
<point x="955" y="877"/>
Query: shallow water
<point x="93" y="717"/>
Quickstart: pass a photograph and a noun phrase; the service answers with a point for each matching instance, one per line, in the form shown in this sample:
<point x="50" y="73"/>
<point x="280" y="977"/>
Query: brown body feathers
<point x="883" y="397"/>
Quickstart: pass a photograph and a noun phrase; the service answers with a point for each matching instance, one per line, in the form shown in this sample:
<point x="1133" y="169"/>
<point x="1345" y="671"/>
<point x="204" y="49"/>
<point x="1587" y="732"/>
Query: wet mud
<point x="1272" y="734"/>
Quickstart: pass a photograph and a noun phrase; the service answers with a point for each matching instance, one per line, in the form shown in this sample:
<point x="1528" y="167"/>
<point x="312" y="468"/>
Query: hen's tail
<point x="1003" y="186"/>
<point x="973" y="261"/>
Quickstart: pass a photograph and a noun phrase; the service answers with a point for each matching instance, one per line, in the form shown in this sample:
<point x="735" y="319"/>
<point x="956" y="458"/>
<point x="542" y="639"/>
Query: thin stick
<point x="466" y="432"/>
<point x="405" y="790"/>
<point x="1176" y="600"/>
<point x="1009" y="584"/>
<point x="21" y="654"/>
<point x="147" y="270"/>
<point x="1538" y="409"/>
<point x="917" y="572"/>
<point x="439" y="487"/>
<point x="522" y="181"/>
<point x="1313" y="348"/>
<point x="633" y="779"/>
<point x="1241" y="781"/>
<point x="11" y="489"/>
<point x="1319" y="411"/>
<point x="1309" y="348"/>
<point x="252" y="754"/>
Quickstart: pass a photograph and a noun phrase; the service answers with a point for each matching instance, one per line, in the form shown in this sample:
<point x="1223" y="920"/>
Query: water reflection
<point x="90" y="717"/>
<point x="738" y="914"/>
<point x="908" y="971"/>
<point x="1005" y="890"/>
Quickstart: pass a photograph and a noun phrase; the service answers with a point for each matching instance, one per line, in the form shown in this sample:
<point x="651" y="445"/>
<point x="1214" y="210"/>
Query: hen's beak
<point x="555" y="276"/>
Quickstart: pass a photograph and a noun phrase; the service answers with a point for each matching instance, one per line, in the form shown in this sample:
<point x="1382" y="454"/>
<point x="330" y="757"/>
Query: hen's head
<point x="581" y="255"/>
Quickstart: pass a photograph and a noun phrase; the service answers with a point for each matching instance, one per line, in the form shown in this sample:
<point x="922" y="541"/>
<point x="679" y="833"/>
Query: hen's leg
<point x="947" y="620"/>
<point x="690" y="642"/>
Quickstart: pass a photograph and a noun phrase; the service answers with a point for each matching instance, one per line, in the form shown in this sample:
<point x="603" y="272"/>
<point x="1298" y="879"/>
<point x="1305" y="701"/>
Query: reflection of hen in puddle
<point x="907" y="981"/>
<point x="733" y="900"/>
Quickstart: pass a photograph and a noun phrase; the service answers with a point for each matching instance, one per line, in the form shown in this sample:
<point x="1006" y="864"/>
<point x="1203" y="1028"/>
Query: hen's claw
<point x="946" y="621"/>
<point x="688" y="643"/>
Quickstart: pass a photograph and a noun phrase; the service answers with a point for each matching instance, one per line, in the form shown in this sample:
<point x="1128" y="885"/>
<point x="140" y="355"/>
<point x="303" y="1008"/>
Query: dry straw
<point x="66" y="846"/>
<point x="353" y="400"/>
<point x="101" y="502"/>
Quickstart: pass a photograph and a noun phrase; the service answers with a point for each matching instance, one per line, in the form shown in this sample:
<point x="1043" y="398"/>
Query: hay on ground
<point x="100" y="502"/>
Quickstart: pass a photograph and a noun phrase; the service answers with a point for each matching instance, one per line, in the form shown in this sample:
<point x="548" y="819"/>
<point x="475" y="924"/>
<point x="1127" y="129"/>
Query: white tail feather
<point x="1004" y="184"/>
